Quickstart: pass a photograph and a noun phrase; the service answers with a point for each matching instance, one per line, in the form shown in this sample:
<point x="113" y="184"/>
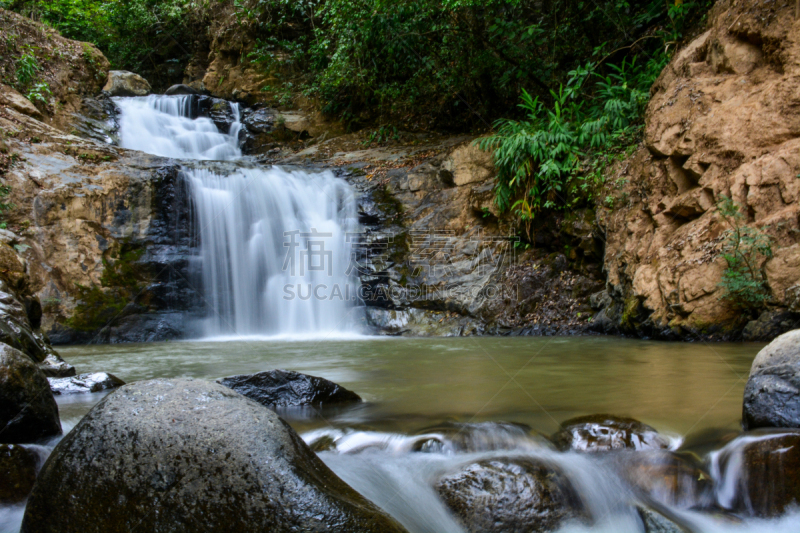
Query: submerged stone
<point x="189" y="456"/>
<point x="602" y="433"/>
<point x="666" y="478"/>
<point x="654" y="522"/>
<point x="93" y="382"/>
<point x="286" y="388"/>
<point x="761" y="471"/>
<point x="510" y="496"/>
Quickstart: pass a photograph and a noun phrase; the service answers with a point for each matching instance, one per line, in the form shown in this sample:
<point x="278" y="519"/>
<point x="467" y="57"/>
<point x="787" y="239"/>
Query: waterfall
<point x="274" y="245"/>
<point x="168" y="126"/>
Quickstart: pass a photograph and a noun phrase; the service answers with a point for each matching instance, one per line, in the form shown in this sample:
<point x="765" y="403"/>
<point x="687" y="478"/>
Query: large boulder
<point x="772" y="393"/>
<point x="286" y="388"/>
<point x="124" y="83"/>
<point x="510" y="496"/>
<point x="92" y="382"/>
<point x="18" y="472"/>
<point x="602" y="433"/>
<point x="186" y="455"/>
<point x="28" y="411"/>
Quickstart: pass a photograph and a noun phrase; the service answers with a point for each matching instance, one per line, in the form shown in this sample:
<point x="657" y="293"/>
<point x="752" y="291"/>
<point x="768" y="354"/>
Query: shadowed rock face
<point x="601" y="433"/>
<point x="285" y="388"/>
<point x="187" y="456"/>
<point x="28" y="411"/>
<point x="772" y="394"/>
<point x="18" y="472"/>
<point x="510" y="496"/>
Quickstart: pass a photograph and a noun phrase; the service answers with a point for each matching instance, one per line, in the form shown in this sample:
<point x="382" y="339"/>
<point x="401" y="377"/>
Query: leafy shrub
<point x="745" y="250"/>
<point x="27" y="67"/>
<point x="540" y="159"/>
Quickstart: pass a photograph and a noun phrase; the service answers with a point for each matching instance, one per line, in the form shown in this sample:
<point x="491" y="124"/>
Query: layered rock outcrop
<point x="724" y="120"/>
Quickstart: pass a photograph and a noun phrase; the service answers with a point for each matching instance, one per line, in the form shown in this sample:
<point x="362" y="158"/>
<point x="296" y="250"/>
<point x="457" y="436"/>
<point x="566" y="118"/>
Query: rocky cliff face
<point x="724" y="120"/>
<point x="106" y="233"/>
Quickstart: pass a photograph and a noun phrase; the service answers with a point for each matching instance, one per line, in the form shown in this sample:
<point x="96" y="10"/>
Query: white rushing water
<point x="274" y="244"/>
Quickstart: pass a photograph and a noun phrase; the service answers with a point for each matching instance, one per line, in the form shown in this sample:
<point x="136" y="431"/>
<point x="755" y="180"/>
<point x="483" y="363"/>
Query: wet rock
<point x="94" y="382"/>
<point x="285" y="388"/>
<point x="203" y="456"/>
<point x="476" y="437"/>
<point x="180" y="89"/>
<point x="510" y="495"/>
<point x="259" y="120"/>
<point x="28" y="411"/>
<point x="124" y="83"/>
<point x="18" y="472"/>
<point x="221" y="114"/>
<point x="666" y="478"/>
<point x="654" y="522"/>
<point x="602" y="433"/>
<point x="21" y="316"/>
<point x="96" y="120"/>
<point x="772" y="393"/>
<point x="760" y="472"/>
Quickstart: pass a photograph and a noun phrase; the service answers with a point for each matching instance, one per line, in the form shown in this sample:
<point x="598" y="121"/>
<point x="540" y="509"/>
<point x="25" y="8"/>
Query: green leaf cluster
<point x="746" y="251"/>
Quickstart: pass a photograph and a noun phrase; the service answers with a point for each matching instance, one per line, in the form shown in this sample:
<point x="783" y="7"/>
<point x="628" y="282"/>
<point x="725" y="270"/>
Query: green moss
<point x="630" y="313"/>
<point x="120" y="285"/>
<point x="387" y="203"/>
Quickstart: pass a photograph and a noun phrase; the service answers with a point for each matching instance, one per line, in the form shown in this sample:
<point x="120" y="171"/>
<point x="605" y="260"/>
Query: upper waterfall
<point x="274" y="254"/>
<point x="167" y="126"/>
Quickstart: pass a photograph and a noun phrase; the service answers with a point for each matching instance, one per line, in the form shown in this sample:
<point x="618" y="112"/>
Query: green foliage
<point x="27" y="67"/>
<point x="139" y="35"/>
<point x="541" y="160"/>
<point x="39" y="92"/>
<point x="443" y="62"/>
<point x="745" y="250"/>
<point x="556" y="157"/>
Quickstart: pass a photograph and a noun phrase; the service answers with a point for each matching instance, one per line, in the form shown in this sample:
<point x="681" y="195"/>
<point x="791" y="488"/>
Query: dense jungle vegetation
<point x="561" y="85"/>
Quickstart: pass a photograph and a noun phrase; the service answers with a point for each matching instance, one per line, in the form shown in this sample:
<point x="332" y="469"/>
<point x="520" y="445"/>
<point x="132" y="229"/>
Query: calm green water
<point x="408" y="383"/>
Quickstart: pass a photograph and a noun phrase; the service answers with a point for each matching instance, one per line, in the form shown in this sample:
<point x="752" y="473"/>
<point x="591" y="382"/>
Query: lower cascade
<point x="274" y="255"/>
<point x="274" y="245"/>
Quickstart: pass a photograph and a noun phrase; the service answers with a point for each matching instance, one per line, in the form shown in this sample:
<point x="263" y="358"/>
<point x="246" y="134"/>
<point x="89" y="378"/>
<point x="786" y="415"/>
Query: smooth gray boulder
<point x="772" y="393"/>
<point x="190" y="456"/>
<point x="92" y="382"/>
<point x="124" y="83"/>
<point x="28" y="411"/>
